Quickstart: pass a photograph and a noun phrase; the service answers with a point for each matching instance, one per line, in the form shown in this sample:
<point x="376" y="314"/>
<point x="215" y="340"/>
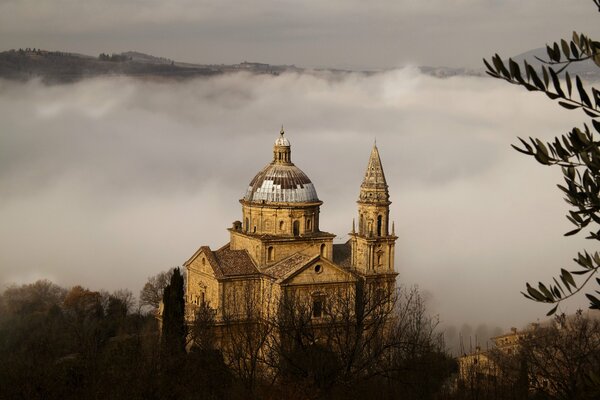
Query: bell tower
<point x="372" y="244"/>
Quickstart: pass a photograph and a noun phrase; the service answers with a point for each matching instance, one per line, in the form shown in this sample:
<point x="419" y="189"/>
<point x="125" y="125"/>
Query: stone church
<point x="279" y="249"/>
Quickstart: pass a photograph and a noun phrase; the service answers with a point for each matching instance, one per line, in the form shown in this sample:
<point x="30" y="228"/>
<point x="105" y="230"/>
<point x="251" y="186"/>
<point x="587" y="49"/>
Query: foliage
<point x="114" y="57"/>
<point x="80" y="343"/>
<point x="77" y="343"/>
<point x="549" y="361"/>
<point x="560" y="356"/>
<point x="152" y="293"/>
<point x="577" y="152"/>
<point x="174" y="332"/>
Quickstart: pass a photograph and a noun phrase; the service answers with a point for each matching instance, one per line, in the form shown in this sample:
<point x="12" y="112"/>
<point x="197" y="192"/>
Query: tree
<point x="549" y="361"/>
<point x="247" y="331"/>
<point x="576" y="152"/>
<point x="152" y="293"/>
<point x="560" y="356"/>
<point x="370" y="341"/>
<point x="173" y="335"/>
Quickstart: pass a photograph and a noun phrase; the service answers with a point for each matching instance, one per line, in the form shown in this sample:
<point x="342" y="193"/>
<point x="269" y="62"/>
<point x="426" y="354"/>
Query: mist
<point x="108" y="181"/>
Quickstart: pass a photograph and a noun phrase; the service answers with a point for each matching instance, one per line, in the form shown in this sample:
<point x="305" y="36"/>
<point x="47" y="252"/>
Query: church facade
<point x="278" y="250"/>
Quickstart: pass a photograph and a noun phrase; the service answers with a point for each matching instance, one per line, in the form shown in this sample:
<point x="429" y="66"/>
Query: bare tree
<point x="560" y="356"/>
<point x="246" y="328"/>
<point x="152" y="293"/>
<point x="366" y="333"/>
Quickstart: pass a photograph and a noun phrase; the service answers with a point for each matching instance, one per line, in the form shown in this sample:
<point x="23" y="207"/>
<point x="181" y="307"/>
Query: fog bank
<point x="107" y="181"/>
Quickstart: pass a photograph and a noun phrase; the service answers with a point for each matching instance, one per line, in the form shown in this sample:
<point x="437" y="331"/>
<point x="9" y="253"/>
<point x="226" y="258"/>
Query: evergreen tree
<point x="173" y="333"/>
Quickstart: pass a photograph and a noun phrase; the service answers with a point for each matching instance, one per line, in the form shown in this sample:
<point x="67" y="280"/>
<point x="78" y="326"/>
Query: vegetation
<point x="548" y="362"/>
<point x="113" y="57"/>
<point x="61" y="67"/>
<point x="78" y="343"/>
<point x="174" y="331"/>
<point x="152" y="292"/>
<point x="577" y="153"/>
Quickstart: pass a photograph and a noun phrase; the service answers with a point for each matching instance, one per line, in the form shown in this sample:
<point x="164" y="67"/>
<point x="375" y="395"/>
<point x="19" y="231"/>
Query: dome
<point x="281" y="180"/>
<point x="282" y="141"/>
<point x="281" y="183"/>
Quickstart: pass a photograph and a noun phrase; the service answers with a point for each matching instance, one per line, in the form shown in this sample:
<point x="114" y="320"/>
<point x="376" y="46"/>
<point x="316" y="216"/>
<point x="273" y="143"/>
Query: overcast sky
<point x="332" y="33"/>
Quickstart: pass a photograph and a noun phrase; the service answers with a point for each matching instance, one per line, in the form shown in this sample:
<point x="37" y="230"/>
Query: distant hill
<point x="61" y="67"/>
<point x="447" y="72"/>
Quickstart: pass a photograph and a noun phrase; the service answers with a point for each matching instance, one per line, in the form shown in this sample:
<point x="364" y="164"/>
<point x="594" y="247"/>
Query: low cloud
<point x="108" y="181"/>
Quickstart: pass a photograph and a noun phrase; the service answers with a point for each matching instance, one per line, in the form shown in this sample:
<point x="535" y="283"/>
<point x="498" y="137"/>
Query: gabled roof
<point x="287" y="265"/>
<point x="293" y="265"/>
<point x="227" y="263"/>
<point x="349" y="275"/>
<point x="235" y="262"/>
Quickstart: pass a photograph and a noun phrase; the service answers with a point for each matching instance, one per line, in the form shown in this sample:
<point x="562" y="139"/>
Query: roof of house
<point x="287" y="265"/>
<point x="234" y="262"/>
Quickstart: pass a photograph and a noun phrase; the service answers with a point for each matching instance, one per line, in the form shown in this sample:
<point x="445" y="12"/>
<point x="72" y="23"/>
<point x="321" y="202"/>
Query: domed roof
<point x="281" y="183"/>
<point x="281" y="141"/>
<point x="281" y="180"/>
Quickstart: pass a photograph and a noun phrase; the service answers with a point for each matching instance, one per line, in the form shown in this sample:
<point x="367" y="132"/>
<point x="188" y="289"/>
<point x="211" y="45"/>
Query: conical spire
<point x="374" y="187"/>
<point x="374" y="175"/>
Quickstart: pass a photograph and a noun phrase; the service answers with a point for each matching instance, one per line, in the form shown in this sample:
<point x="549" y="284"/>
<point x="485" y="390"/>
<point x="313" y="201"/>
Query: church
<point x="278" y="249"/>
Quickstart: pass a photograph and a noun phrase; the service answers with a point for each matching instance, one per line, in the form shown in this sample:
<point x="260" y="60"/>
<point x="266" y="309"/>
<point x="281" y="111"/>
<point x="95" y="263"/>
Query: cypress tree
<point x="173" y="335"/>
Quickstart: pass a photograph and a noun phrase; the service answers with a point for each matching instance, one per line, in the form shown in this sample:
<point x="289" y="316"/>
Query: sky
<point x="335" y="33"/>
<point x="108" y="181"/>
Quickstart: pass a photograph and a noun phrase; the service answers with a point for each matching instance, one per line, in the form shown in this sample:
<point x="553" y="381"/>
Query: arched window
<point x="247" y="225"/>
<point x="270" y="253"/>
<point x="322" y="251"/>
<point x="379" y="224"/>
<point x="379" y="258"/>
<point x="308" y="225"/>
<point x="281" y="225"/>
<point x="296" y="228"/>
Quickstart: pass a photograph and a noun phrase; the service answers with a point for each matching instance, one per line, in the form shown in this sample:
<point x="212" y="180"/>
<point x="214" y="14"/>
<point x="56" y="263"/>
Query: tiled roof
<point x="287" y="265"/>
<point x="234" y="262"/>
<point x="342" y="255"/>
<point x="281" y="183"/>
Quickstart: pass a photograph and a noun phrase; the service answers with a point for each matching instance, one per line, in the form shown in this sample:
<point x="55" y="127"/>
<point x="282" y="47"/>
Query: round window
<point x="318" y="268"/>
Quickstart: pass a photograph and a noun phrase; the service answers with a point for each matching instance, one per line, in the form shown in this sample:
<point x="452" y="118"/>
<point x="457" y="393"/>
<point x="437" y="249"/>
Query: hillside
<point x="61" y="67"/>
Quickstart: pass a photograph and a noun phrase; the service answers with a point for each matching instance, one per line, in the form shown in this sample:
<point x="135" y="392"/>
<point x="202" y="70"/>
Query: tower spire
<point x="373" y="246"/>
<point x="374" y="187"/>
